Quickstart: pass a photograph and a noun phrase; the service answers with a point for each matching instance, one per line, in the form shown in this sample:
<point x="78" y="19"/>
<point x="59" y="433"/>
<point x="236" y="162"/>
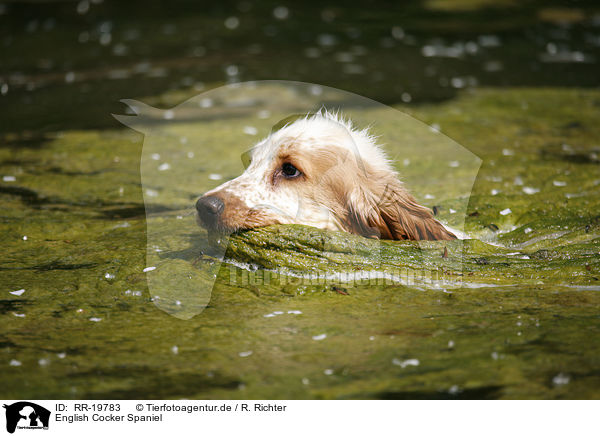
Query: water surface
<point x="77" y="317"/>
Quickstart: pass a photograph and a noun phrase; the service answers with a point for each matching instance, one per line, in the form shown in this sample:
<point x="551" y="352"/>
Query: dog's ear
<point x="388" y="211"/>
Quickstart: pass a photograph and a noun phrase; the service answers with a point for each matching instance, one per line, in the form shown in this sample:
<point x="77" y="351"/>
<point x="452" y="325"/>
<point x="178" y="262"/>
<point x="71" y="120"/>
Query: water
<point x="518" y="92"/>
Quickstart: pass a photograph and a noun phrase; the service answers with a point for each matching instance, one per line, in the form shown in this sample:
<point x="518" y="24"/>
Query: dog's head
<point x="320" y="171"/>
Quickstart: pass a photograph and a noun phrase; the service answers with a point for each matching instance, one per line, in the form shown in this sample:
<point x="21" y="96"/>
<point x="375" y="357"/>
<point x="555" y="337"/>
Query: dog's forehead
<point x="305" y="135"/>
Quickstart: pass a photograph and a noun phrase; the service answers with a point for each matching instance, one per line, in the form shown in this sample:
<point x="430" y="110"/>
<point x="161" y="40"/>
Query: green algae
<point x="526" y="309"/>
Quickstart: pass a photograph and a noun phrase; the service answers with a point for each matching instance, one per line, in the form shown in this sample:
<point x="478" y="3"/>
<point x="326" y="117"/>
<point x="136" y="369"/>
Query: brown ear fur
<point x="386" y="210"/>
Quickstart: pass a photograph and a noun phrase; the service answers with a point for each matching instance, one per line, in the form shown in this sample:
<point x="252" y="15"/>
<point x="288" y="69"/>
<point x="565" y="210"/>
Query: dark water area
<point x="67" y="64"/>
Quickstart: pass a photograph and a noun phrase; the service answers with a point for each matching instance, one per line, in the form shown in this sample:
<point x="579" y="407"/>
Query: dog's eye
<point x="289" y="171"/>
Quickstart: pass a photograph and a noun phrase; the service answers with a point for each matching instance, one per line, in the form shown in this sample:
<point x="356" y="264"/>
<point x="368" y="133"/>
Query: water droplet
<point x="397" y="32"/>
<point x="281" y="12"/>
<point x="232" y="23"/>
<point x="83" y="6"/>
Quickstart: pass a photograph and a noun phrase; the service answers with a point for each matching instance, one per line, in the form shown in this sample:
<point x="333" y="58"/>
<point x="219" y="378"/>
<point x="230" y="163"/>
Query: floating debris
<point x="18" y="293"/>
<point x="338" y="290"/>
<point x="206" y="103"/>
<point x="327" y="40"/>
<point x="122" y="225"/>
<point x="94" y="319"/>
<point x="15" y="362"/>
<point x="319" y="337"/>
<point x="454" y="390"/>
<point x="405" y="363"/>
<point x="505" y="211"/>
<point x="561" y="379"/>
<point x="488" y="41"/>
<point x="518" y="181"/>
<point x="245" y="353"/>
<point x="149" y="268"/>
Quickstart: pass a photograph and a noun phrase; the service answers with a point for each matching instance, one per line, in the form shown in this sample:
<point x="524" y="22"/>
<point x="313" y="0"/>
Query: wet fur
<point x="346" y="183"/>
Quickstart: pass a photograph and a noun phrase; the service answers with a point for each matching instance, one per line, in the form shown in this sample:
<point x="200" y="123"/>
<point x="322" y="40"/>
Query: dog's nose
<point x="209" y="209"/>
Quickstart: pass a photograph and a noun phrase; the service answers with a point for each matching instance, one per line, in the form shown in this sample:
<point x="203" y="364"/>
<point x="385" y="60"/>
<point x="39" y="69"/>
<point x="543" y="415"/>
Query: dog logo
<point x="26" y="415"/>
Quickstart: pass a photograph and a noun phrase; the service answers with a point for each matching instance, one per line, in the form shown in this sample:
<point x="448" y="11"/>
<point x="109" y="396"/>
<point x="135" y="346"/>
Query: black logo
<point x="26" y="415"/>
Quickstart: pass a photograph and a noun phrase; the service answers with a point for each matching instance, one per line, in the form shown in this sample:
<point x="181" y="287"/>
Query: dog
<point x="321" y="171"/>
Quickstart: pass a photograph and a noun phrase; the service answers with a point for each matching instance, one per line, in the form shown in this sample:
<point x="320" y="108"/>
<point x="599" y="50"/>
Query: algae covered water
<point x="522" y="323"/>
<point x="89" y="309"/>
